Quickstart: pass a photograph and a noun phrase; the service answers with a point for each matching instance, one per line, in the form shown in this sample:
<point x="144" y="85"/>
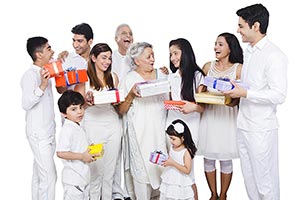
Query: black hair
<point x="255" y="13"/>
<point x="83" y="29"/>
<point x="94" y="81"/>
<point x="188" y="67"/>
<point x="69" y="98"/>
<point x="186" y="134"/>
<point x="35" y="44"/>
<point x="236" y="51"/>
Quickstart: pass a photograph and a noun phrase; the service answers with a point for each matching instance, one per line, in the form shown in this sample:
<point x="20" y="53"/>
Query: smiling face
<point x="102" y="61"/>
<point x="124" y="38"/>
<point x="221" y="48"/>
<point x="146" y="60"/>
<point x="80" y="44"/>
<point x="175" y="55"/>
<point x="248" y="34"/>
<point x="74" y="113"/>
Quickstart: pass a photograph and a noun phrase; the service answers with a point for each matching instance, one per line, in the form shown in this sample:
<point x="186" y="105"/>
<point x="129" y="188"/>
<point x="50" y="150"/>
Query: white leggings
<point x="225" y="166"/>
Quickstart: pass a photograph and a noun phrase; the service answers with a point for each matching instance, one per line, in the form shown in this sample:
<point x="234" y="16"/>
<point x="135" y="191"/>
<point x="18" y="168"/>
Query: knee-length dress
<point x="218" y="124"/>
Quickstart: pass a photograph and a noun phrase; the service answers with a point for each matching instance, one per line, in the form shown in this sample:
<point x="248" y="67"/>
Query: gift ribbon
<point x="157" y="157"/>
<point x="55" y="68"/>
<point x="223" y="79"/>
<point x="67" y="79"/>
<point x="117" y="96"/>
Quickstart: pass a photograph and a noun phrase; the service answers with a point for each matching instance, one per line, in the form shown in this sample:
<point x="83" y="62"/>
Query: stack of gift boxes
<point x="67" y="77"/>
<point x="220" y="84"/>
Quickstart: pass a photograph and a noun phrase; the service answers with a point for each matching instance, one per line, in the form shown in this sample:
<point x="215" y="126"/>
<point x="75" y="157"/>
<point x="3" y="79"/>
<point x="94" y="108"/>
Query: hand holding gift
<point x="96" y="150"/>
<point x="157" y="157"/>
<point x="222" y="84"/>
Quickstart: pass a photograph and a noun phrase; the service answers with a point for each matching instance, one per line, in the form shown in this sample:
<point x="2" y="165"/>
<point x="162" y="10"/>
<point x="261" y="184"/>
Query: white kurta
<point x="146" y="132"/>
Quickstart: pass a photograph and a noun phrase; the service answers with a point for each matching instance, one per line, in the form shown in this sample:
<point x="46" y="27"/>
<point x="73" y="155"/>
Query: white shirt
<point x="120" y="65"/>
<point x="38" y="104"/>
<point x="265" y="71"/>
<point x="73" y="138"/>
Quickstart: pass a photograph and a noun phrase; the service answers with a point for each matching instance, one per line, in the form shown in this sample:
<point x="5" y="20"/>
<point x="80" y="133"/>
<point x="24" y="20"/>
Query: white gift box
<point x="108" y="96"/>
<point x="151" y="88"/>
<point x="157" y="157"/>
<point x="221" y="84"/>
<point x="212" y="98"/>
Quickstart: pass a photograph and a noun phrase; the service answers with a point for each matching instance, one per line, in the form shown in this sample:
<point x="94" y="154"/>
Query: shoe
<point x="127" y="198"/>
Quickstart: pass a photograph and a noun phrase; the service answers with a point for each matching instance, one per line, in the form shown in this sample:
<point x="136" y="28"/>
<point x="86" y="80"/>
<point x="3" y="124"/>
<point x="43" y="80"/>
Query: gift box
<point x="221" y="84"/>
<point x="55" y="68"/>
<point x="108" y="96"/>
<point x="96" y="149"/>
<point x="212" y="98"/>
<point x="173" y="105"/>
<point x="157" y="157"/>
<point x="71" y="77"/>
<point x="151" y="88"/>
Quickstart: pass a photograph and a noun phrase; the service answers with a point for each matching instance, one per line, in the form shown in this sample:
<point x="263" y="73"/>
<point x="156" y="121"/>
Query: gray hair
<point x="135" y="50"/>
<point x="119" y="27"/>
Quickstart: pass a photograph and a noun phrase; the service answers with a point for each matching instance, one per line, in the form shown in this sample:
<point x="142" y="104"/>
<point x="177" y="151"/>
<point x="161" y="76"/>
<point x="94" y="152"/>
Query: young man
<point x="37" y="101"/>
<point x="82" y="41"/>
<point x="73" y="147"/>
<point x="265" y="71"/>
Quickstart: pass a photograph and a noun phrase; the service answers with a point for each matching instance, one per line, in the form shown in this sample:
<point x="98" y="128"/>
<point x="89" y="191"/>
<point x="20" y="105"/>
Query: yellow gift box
<point x="96" y="149"/>
<point x="212" y="98"/>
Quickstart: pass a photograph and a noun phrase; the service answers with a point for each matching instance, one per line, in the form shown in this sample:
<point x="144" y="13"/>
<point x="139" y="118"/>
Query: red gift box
<point x="71" y="77"/>
<point x="173" y="105"/>
<point x="55" y="68"/>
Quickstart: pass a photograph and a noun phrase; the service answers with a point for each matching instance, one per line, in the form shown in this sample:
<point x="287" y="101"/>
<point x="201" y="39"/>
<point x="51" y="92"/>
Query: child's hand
<point x="87" y="157"/>
<point x="168" y="162"/>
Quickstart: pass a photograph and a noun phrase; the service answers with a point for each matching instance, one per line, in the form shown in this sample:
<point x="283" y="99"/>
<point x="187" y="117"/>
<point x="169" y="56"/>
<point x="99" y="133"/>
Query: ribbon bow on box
<point x="71" y="76"/>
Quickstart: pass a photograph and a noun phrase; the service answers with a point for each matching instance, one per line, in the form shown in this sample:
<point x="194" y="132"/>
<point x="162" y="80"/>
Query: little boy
<point x="37" y="101"/>
<point x="73" y="147"/>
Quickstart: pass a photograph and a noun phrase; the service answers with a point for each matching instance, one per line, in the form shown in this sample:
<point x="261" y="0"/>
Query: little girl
<point x="177" y="180"/>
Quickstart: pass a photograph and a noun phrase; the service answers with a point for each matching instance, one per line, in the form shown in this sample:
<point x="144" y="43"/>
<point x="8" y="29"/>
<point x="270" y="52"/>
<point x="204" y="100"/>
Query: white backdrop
<point x="156" y="22"/>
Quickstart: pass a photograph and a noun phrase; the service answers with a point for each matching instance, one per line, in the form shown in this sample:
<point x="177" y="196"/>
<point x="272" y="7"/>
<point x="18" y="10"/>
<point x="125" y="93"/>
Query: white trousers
<point x="72" y="192"/>
<point x="259" y="161"/>
<point x="44" y="171"/>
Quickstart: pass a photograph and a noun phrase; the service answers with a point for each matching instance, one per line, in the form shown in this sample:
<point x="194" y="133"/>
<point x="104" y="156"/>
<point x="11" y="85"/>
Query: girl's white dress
<point x="175" y="184"/>
<point x="218" y="124"/>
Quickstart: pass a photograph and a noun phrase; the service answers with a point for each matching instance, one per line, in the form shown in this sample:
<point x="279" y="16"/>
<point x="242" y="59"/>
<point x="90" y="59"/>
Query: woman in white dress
<point x="177" y="178"/>
<point x="146" y="123"/>
<point x="102" y="123"/>
<point x="185" y="82"/>
<point x="218" y="122"/>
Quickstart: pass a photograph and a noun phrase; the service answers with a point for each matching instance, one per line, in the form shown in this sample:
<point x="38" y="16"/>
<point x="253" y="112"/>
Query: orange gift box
<point x="71" y="77"/>
<point x="173" y="105"/>
<point x="55" y="68"/>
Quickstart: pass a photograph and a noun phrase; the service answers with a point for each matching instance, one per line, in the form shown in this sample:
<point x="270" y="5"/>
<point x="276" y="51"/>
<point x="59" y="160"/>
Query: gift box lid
<point x="173" y="105"/>
<point x="212" y="98"/>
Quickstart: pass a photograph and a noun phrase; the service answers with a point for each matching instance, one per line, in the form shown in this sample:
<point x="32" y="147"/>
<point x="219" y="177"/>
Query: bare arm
<point x="186" y="168"/>
<point x="84" y="157"/>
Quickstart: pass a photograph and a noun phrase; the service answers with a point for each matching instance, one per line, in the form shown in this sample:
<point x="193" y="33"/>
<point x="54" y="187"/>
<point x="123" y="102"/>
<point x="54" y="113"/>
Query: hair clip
<point x="179" y="128"/>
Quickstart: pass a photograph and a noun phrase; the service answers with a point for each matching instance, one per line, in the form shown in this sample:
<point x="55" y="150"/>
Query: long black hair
<point x="188" y="67"/>
<point x="186" y="134"/>
<point x="236" y="51"/>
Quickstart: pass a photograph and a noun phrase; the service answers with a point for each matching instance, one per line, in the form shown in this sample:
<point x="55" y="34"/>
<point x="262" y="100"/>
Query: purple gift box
<point x="157" y="157"/>
<point x="221" y="84"/>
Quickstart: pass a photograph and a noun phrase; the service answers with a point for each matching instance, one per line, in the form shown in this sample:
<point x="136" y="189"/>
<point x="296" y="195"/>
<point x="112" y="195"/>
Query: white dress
<point x="146" y="133"/>
<point x="175" y="184"/>
<point x="218" y="124"/>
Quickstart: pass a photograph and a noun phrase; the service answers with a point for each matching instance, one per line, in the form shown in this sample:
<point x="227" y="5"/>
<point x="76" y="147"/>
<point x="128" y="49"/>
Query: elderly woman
<point x="146" y="122"/>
